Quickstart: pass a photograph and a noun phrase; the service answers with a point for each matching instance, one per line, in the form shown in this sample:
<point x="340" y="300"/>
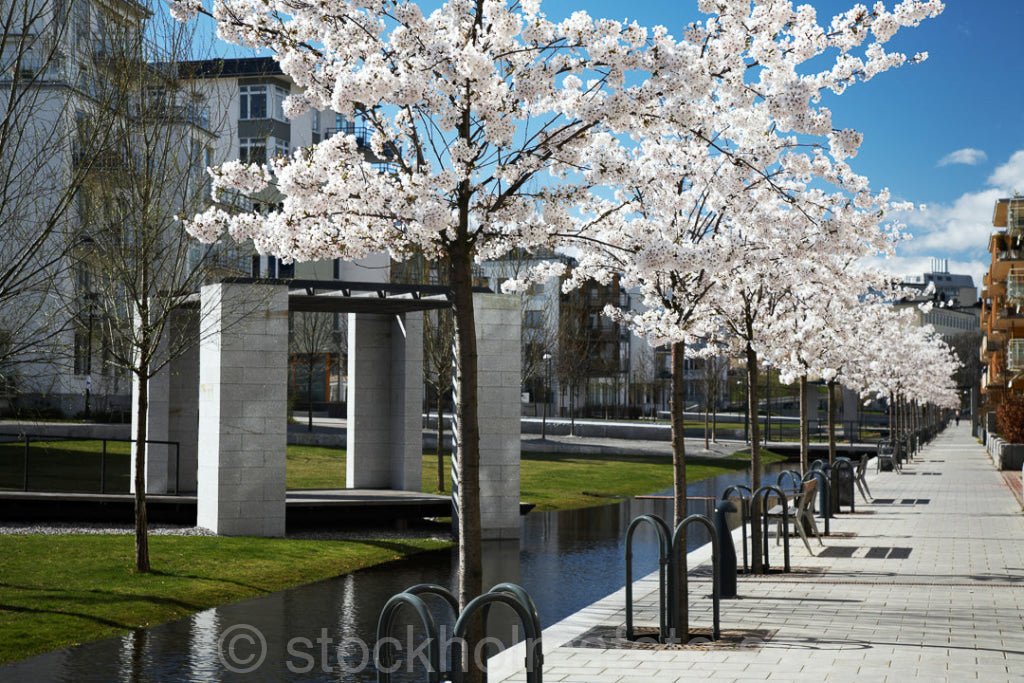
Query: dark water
<point x="326" y="631"/>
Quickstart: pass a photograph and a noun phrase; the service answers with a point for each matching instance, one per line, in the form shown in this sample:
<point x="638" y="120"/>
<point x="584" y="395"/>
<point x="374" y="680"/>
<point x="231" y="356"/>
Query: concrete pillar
<point x="385" y="401"/>
<point x="243" y="377"/>
<point x="173" y="413"/>
<point x="498" y="372"/>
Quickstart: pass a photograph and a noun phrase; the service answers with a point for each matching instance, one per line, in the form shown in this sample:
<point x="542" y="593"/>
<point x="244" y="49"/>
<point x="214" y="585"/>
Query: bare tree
<point x="315" y="337"/>
<point x="150" y="167"/>
<point x="713" y="379"/>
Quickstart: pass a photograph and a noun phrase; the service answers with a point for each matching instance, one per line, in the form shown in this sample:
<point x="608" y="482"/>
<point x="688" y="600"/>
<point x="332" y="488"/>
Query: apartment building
<point x="103" y="145"/>
<point x="1002" y="322"/>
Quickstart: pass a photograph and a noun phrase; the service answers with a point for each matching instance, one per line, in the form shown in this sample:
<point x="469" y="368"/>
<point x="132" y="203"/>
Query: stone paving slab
<point x="946" y="605"/>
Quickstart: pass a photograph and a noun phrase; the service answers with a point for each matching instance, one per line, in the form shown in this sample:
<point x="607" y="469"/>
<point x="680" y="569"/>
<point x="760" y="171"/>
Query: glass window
<point x="261" y="102"/>
<point x="279" y="94"/>
<point x="533" y="319"/>
<point x="252" y="150"/>
<point x="252" y="102"/>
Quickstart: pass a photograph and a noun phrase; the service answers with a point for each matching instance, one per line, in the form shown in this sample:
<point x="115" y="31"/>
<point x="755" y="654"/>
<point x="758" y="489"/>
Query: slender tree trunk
<point x="679" y="486"/>
<point x="805" y="436"/>
<point x="466" y="458"/>
<point x="832" y="421"/>
<point x="756" y="565"/>
<point x="707" y="423"/>
<point x="440" y="440"/>
<point x="572" y="410"/>
<point x="714" y="421"/>
<point x="892" y="420"/>
<point x="309" y="395"/>
<point x="141" y="523"/>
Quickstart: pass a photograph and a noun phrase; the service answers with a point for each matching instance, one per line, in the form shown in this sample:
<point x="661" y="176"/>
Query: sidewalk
<point x="925" y="582"/>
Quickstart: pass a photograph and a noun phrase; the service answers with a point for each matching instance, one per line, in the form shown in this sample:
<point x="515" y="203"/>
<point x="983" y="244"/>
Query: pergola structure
<point x="225" y="400"/>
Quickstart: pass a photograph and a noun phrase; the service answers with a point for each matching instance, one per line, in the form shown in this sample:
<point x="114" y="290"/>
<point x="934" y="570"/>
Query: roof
<point x="231" y="68"/>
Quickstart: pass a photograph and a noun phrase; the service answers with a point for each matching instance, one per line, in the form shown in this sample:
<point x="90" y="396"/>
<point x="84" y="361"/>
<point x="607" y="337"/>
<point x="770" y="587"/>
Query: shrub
<point x="1010" y="418"/>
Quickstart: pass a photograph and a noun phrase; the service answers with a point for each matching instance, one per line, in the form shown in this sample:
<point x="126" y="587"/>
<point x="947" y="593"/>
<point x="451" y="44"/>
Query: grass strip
<point x="57" y="591"/>
<point x="552" y="481"/>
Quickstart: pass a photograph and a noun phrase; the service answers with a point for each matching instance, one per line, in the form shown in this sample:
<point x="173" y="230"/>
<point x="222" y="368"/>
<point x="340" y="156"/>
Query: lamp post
<point x="768" y="407"/>
<point x="547" y="386"/>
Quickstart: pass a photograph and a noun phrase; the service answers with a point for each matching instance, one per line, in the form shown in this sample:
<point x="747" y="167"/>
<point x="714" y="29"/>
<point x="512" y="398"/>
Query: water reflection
<point x="326" y="631"/>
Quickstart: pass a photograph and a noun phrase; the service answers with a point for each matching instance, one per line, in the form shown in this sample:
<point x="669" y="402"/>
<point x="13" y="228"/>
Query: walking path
<point x="924" y="582"/>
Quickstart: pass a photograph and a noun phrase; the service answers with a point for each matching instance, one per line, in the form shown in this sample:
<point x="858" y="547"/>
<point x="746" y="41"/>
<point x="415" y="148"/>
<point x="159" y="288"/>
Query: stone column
<point x="173" y="413"/>
<point x="385" y="400"/>
<point x="499" y="344"/>
<point x="243" y="377"/>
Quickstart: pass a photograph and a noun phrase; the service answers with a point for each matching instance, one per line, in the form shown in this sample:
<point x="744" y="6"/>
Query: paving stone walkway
<point x="924" y="582"/>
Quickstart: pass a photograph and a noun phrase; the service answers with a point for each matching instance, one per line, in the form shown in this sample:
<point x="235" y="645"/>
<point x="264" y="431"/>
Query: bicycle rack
<point x="517" y="598"/>
<point x="668" y="551"/>
<point x="824" y="494"/>
<point x="744" y="515"/>
<point x="716" y="591"/>
<point x="664" y="551"/>
<point x="504" y="593"/>
<point x="794" y="478"/>
<point x="764" y="492"/>
<point x="386" y="621"/>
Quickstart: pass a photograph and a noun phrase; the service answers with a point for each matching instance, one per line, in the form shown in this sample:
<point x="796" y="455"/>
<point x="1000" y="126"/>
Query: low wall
<point x="1005" y="456"/>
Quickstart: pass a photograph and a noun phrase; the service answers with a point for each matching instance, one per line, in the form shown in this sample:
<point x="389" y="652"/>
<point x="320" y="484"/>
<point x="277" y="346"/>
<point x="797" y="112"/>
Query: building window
<point x="252" y="150"/>
<point x="533" y="319"/>
<point x="261" y="102"/>
<point x="81" y="352"/>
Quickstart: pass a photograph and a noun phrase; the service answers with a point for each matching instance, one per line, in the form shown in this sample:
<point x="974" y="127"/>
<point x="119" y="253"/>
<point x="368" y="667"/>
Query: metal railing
<point x="29" y="440"/>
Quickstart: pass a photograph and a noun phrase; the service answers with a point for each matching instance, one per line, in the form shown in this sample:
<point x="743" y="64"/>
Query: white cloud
<point x="968" y="155"/>
<point x="958" y="231"/>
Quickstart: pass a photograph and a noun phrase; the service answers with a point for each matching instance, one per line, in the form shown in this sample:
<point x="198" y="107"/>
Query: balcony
<point x="1015" y="355"/>
<point x="1007" y="260"/>
<point x="362" y="135"/>
<point x="989" y="347"/>
<point x="1015" y="286"/>
<point x="1007" y="318"/>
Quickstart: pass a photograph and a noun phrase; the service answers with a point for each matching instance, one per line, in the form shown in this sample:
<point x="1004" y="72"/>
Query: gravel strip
<point x="64" y="528"/>
<point x="67" y="528"/>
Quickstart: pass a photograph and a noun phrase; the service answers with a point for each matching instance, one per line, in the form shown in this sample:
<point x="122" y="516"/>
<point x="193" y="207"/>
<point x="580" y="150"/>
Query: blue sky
<point x="946" y="133"/>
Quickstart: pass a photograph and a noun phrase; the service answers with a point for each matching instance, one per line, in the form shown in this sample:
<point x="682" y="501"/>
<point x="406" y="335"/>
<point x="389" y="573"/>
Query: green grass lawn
<point x="57" y="591"/>
<point x="551" y="481"/>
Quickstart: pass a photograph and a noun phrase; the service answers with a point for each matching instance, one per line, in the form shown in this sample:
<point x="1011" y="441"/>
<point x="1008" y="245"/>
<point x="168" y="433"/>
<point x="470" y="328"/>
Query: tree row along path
<point x="924" y="581"/>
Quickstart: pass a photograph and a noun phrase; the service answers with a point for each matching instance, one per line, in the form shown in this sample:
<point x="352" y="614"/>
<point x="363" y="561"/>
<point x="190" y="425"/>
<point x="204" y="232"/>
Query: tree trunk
<point x="831" y="421"/>
<point x="679" y="482"/>
<point x="141" y="523"/>
<point x="572" y="410"/>
<point x="892" y="420"/>
<point x="466" y="458"/>
<point x="440" y="440"/>
<point x="309" y="395"/>
<point x="707" y="423"/>
<point x="805" y="436"/>
<point x="756" y="565"/>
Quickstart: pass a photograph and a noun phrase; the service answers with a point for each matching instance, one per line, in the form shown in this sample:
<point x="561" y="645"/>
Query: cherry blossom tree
<point x="730" y="210"/>
<point x="623" y="130"/>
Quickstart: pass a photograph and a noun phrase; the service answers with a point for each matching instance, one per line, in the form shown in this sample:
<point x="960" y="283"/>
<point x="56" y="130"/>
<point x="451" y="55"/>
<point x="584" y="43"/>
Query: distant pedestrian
<point x="957" y="418"/>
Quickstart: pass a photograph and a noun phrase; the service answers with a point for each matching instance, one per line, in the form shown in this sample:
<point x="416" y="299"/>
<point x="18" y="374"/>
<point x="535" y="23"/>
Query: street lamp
<point x="547" y="385"/>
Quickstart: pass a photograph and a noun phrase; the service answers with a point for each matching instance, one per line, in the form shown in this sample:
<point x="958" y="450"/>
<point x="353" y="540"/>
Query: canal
<point x="325" y="631"/>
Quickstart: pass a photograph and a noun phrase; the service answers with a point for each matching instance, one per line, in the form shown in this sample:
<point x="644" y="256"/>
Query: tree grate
<point x="646" y="638"/>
